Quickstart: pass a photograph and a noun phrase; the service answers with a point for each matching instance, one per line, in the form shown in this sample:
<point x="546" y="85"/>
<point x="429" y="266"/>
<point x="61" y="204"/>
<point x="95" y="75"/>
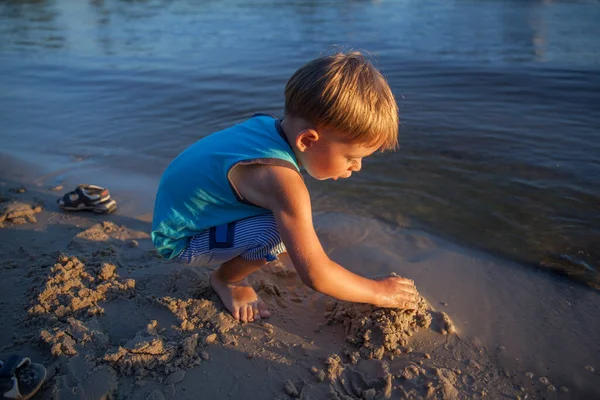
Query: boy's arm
<point x="283" y="191"/>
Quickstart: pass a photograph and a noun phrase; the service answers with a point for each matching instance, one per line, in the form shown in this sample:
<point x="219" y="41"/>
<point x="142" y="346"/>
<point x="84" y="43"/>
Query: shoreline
<point x="130" y="189"/>
<point x="525" y="327"/>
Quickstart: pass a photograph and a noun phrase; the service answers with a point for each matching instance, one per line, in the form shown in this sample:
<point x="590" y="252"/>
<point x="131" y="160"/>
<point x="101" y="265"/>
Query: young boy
<point x="237" y="198"/>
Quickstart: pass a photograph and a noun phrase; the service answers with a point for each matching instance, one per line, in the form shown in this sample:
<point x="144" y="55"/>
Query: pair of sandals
<point x="88" y="197"/>
<point x="20" y="379"/>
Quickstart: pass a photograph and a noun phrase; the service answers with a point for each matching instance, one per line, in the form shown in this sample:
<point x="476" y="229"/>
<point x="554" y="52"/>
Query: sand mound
<point x="71" y="289"/>
<point x="102" y="232"/>
<point x="377" y="330"/>
<point x="197" y="314"/>
<point x="71" y="295"/>
<point x="150" y="355"/>
<point x="67" y="338"/>
<point x="103" y="235"/>
<point x="18" y="213"/>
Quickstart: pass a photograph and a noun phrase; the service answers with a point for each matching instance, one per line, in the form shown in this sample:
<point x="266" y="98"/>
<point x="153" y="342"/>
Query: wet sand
<point x="87" y="296"/>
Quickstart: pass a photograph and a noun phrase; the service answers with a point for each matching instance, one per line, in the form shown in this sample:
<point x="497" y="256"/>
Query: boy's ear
<point x="306" y="139"/>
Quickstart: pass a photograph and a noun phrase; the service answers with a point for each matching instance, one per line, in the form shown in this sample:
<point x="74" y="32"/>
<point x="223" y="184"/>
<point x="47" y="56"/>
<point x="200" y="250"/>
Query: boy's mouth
<point x="335" y="178"/>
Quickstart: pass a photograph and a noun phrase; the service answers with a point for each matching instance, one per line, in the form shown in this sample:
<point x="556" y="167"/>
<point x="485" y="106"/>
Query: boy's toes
<point x="263" y="311"/>
<point x="236" y="313"/>
<point x="255" y="312"/>
<point x="243" y="314"/>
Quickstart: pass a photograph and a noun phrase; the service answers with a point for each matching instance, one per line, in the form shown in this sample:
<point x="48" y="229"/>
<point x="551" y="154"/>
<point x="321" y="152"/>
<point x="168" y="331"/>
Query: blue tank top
<point x="195" y="194"/>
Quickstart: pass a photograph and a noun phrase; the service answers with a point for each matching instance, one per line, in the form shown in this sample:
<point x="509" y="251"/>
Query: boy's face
<point x="324" y="158"/>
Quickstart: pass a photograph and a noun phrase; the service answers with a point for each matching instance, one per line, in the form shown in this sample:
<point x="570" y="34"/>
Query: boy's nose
<point x="357" y="166"/>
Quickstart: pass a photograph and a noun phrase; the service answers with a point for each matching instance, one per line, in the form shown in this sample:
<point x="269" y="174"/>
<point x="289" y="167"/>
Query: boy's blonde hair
<point x="344" y="92"/>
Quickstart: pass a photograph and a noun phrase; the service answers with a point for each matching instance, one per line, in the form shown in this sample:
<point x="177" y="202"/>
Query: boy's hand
<point x="396" y="292"/>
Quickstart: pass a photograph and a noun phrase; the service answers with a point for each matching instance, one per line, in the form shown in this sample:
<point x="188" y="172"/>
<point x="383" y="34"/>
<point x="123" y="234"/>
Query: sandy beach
<point x="496" y="184"/>
<point x="87" y="296"/>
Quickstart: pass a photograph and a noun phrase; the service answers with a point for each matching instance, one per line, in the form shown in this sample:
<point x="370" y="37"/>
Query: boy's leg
<point x="230" y="283"/>
<point x="241" y="248"/>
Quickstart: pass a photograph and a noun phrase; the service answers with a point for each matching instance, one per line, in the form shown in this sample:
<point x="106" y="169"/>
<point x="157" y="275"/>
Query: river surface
<point x="499" y="105"/>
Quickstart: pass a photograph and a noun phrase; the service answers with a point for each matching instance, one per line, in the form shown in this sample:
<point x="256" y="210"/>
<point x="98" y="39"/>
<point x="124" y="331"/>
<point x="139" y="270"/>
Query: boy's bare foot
<point x="240" y="299"/>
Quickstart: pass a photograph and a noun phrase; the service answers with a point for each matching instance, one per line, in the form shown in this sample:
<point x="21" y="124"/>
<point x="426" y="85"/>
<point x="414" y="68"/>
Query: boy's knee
<point x="268" y="246"/>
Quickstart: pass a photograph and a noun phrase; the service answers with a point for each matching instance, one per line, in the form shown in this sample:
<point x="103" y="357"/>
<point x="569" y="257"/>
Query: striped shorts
<point x="254" y="238"/>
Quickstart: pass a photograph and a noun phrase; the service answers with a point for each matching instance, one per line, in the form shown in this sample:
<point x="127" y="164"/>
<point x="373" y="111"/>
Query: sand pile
<point x="377" y="330"/>
<point x="199" y="314"/>
<point x="17" y="213"/>
<point x="151" y="355"/>
<point x="71" y="289"/>
<point x="67" y="338"/>
<point x="70" y="299"/>
<point x="103" y="231"/>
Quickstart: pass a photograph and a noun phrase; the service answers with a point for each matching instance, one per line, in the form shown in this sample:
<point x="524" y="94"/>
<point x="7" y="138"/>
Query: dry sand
<point x="87" y="296"/>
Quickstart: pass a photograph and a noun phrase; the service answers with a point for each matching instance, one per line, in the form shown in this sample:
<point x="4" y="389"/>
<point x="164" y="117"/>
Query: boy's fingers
<point x="412" y="299"/>
<point x="405" y="281"/>
<point x="410" y="305"/>
<point x="409" y="296"/>
<point x="410" y="291"/>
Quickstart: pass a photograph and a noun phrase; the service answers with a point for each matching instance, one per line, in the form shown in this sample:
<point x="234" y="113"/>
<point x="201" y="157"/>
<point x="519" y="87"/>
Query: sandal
<point x="20" y="379"/>
<point x="88" y="197"/>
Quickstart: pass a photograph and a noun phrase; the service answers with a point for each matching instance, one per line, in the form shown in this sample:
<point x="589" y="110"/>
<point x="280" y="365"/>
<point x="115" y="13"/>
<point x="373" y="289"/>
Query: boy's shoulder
<point x="263" y="115"/>
<point x="259" y="184"/>
<point x="258" y="131"/>
<point x="257" y="138"/>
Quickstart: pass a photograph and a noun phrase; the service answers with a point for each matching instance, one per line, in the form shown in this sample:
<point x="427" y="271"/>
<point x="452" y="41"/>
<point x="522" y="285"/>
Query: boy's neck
<point x="292" y="126"/>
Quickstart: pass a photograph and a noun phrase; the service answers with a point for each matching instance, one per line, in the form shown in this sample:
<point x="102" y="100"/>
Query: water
<point x="499" y="100"/>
